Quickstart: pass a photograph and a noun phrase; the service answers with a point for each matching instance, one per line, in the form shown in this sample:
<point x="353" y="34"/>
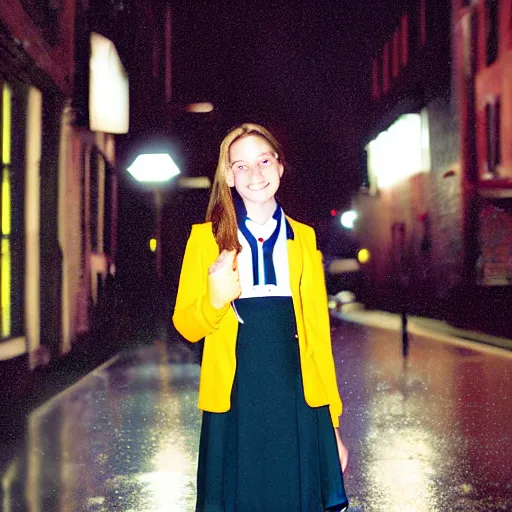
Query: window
<point x="473" y="51"/>
<point x="94" y="198"/>
<point x="401" y="151"/>
<point x="492" y="30"/>
<point x="45" y="14"/>
<point x="493" y="127"/>
<point x="84" y="188"/>
<point x="5" y="213"/>
<point x="12" y="148"/>
<point x="108" y="219"/>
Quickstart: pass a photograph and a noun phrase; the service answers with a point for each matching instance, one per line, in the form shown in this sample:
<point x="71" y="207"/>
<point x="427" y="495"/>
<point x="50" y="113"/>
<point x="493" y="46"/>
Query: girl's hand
<point x="342" y="450"/>
<point x="223" y="280"/>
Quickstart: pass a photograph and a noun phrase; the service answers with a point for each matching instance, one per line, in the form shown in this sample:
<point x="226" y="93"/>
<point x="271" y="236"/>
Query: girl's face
<point x="254" y="170"/>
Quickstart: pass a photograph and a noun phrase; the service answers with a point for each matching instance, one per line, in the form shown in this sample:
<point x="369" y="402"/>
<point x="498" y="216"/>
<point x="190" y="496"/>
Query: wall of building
<point x="447" y="232"/>
<point x="52" y="276"/>
<point x="414" y="227"/>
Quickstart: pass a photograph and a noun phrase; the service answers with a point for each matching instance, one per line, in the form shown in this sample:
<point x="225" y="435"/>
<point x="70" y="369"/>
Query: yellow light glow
<point x="6" y="287"/>
<point x="6" y="124"/>
<point x="6" y="203"/>
<point x="363" y="256"/>
<point x="5" y="265"/>
<point x="152" y="244"/>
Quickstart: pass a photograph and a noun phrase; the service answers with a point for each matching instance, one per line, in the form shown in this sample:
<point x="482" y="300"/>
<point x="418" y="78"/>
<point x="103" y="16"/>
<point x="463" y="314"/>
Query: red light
<point x="334" y="213"/>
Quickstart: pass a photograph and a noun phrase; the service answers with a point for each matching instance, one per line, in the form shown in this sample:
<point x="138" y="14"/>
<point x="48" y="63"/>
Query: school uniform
<point x="268" y="384"/>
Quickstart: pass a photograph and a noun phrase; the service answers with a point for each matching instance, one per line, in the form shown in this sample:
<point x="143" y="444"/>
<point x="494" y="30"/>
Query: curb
<point x="421" y="326"/>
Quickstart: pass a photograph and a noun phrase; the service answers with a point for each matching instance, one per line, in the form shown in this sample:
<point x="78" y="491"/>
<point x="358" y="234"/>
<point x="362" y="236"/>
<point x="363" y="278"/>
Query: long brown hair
<point x="221" y="209"/>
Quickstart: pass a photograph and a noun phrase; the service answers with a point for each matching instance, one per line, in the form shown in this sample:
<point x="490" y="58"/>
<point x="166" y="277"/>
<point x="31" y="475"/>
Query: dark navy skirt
<point x="271" y="451"/>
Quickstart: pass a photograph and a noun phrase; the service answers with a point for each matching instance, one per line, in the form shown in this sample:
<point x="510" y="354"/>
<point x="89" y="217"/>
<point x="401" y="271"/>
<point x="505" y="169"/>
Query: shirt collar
<point x="241" y="213"/>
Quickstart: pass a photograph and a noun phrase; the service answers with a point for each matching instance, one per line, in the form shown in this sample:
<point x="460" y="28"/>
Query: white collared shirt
<point x="279" y="258"/>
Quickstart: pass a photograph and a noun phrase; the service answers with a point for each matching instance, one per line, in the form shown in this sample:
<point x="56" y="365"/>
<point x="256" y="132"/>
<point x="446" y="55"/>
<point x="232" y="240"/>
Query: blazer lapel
<point x="294" y="258"/>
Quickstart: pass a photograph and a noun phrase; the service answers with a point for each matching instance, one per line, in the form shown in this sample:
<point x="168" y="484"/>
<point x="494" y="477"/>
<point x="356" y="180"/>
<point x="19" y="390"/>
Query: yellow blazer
<point x="195" y="318"/>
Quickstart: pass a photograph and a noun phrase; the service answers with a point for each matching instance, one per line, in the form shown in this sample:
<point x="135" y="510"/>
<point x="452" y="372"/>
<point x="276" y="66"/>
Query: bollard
<point x="405" y="336"/>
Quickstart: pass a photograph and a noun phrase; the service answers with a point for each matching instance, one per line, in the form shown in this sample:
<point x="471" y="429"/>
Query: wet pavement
<point x="431" y="434"/>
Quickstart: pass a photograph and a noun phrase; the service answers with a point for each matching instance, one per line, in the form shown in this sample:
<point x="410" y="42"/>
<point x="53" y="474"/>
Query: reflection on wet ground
<point x="124" y="439"/>
<point x="431" y="434"/>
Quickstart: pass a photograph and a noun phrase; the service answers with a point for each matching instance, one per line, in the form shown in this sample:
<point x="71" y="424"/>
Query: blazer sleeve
<point x="194" y="317"/>
<point x="319" y="320"/>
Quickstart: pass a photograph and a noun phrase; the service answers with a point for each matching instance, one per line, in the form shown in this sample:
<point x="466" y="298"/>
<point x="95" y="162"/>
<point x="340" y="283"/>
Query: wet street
<point x="431" y="434"/>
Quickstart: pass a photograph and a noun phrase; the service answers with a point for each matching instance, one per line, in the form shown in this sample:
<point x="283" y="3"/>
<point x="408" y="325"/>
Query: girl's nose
<point x="255" y="173"/>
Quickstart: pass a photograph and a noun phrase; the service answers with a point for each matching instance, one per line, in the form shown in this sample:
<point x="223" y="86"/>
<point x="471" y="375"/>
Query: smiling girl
<point x="252" y="285"/>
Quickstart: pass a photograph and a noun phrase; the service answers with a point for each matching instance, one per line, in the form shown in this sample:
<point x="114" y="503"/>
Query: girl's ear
<point x="230" y="178"/>
<point x="281" y="170"/>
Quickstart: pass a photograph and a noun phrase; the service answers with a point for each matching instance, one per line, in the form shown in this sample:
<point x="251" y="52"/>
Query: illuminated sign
<point x="108" y="91"/>
<point x="401" y="151"/>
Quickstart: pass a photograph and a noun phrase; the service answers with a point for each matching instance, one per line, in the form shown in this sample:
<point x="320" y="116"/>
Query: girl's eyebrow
<point x="259" y="156"/>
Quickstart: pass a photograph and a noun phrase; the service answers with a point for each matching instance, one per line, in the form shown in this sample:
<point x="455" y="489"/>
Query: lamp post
<point x="155" y="169"/>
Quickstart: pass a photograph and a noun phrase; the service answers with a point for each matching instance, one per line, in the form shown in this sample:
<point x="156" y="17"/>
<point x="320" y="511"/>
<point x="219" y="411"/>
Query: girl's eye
<point x="266" y="161"/>
<point x="240" y="168"/>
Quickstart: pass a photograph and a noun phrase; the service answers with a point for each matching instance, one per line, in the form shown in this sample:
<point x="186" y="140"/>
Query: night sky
<point x="301" y="70"/>
<point x="295" y="67"/>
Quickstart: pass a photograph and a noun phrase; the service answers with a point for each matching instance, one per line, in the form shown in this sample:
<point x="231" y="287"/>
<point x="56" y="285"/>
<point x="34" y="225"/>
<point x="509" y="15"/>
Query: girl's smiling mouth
<point x="257" y="188"/>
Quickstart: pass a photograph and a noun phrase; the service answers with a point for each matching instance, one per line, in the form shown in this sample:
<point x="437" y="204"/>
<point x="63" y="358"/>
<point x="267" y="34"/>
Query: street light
<point x="155" y="169"/>
<point x="348" y="219"/>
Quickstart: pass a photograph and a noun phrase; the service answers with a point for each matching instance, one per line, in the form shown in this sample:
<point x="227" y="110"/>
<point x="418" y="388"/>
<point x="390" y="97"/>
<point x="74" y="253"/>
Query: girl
<point x="252" y="285"/>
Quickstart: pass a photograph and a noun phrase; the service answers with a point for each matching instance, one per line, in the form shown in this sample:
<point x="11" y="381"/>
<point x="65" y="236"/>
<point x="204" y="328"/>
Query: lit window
<point x="5" y="266"/>
<point x="401" y="151"/>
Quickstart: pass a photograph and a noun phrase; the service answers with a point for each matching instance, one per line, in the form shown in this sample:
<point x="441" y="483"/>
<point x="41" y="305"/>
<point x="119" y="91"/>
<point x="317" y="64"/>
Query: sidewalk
<point x="438" y="329"/>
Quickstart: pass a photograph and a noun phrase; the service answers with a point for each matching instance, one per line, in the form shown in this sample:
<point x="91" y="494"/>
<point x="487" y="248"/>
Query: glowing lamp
<point x="152" y="244"/>
<point x="154" y="168"/>
<point x="348" y="219"/>
<point x="363" y="256"/>
<point x="203" y="107"/>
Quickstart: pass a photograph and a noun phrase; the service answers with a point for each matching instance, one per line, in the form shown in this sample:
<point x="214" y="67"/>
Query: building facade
<point x="58" y="201"/>
<point x="435" y="211"/>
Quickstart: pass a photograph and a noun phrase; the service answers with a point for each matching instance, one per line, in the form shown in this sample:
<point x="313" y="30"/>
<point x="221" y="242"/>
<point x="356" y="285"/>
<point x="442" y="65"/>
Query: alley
<point x="431" y="434"/>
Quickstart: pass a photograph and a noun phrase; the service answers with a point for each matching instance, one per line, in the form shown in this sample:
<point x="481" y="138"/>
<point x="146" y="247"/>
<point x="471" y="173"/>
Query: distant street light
<point x="348" y="219"/>
<point x="155" y="169"/>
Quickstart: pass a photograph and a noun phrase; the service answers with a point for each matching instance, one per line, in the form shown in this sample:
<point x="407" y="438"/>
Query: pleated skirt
<point x="271" y="452"/>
